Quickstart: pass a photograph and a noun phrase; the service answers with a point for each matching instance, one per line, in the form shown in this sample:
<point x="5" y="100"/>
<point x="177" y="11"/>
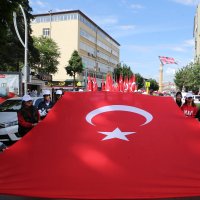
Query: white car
<point x="196" y="98"/>
<point x="8" y="119"/>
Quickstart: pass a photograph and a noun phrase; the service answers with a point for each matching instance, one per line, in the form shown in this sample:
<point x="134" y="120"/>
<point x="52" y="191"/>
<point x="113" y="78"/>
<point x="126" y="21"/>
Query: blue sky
<point x="145" y="29"/>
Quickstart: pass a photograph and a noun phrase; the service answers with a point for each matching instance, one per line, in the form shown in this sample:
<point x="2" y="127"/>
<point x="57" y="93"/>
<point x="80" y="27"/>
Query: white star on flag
<point x="117" y="133"/>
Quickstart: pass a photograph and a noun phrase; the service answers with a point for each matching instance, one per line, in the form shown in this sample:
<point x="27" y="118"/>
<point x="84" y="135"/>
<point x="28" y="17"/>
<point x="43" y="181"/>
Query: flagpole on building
<point x="161" y="78"/>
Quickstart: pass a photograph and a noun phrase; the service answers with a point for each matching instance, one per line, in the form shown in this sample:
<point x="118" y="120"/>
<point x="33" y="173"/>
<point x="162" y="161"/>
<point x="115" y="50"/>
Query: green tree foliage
<point x="124" y="70"/>
<point x="153" y="84"/>
<point x="11" y="50"/>
<point x="188" y="77"/>
<point x="48" y="55"/>
<point x="75" y="66"/>
<point x="139" y="81"/>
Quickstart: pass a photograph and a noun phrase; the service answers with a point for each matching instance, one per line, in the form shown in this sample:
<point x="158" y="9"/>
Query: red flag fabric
<point x="121" y="84"/>
<point x="2" y="99"/>
<point x="166" y="60"/>
<point x="121" y="147"/>
<point x="115" y="87"/>
<point x="132" y="84"/>
<point x="89" y="84"/>
<point x="109" y="83"/>
<point x="95" y="87"/>
<point x="136" y="87"/>
<point x="126" y="85"/>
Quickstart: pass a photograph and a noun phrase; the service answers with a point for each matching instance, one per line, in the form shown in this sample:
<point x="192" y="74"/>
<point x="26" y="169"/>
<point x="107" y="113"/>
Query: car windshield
<point x="11" y="105"/>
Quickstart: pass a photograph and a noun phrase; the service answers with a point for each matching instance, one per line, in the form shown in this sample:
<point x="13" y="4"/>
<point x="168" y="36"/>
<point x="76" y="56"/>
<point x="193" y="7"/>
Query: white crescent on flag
<point x="125" y="108"/>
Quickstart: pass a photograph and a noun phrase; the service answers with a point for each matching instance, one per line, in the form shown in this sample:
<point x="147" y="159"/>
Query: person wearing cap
<point x="45" y="106"/>
<point x="58" y="95"/>
<point x="28" y="116"/>
<point x="189" y="108"/>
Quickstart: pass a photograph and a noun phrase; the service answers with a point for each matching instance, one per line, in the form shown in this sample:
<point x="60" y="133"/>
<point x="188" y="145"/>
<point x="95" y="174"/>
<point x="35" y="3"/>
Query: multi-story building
<point x="196" y="34"/>
<point x="73" y="30"/>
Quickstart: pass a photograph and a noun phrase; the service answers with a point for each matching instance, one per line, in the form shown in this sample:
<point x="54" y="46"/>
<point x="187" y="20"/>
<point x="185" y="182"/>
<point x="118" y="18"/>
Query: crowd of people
<point x="29" y="115"/>
<point x="189" y="108"/>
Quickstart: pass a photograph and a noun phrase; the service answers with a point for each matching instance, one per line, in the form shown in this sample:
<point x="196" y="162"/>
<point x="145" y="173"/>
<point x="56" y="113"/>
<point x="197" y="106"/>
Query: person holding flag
<point x="45" y="106"/>
<point x="28" y="116"/>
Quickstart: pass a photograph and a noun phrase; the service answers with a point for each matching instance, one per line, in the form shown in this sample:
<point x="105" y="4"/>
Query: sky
<point x="145" y="29"/>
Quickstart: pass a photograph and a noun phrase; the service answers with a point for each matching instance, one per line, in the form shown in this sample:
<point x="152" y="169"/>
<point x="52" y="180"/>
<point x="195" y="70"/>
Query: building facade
<point x="73" y="30"/>
<point x="196" y="34"/>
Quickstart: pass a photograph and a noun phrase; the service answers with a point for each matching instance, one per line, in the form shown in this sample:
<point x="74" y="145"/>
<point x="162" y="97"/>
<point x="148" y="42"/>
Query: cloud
<point x="61" y="10"/>
<point x="137" y="48"/>
<point x="126" y="27"/>
<point x="178" y="49"/>
<point x="184" y="46"/>
<point x="181" y="48"/>
<point x="170" y="71"/>
<point x="189" y="43"/>
<point x="133" y="7"/>
<point x="39" y="3"/>
<point x="39" y="6"/>
<point x="136" y="6"/>
<point x="106" y="20"/>
<point x="187" y="2"/>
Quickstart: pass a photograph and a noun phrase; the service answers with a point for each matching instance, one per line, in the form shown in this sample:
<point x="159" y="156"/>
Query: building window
<point x="46" y="31"/>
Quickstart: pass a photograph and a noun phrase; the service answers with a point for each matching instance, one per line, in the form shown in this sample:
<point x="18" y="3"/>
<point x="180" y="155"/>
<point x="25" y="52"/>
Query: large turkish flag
<point x="106" y="145"/>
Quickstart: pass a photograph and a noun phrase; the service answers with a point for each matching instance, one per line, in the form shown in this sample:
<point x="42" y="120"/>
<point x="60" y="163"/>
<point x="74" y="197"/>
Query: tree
<point x="195" y="77"/>
<point x="75" y="66"/>
<point x="139" y="80"/>
<point x="11" y="50"/>
<point x="153" y="84"/>
<point x="188" y="77"/>
<point x="48" y="55"/>
<point x="124" y="70"/>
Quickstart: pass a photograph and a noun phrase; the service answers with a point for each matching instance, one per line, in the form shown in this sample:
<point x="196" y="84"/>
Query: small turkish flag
<point x="89" y="84"/>
<point x="109" y="82"/>
<point x="121" y="84"/>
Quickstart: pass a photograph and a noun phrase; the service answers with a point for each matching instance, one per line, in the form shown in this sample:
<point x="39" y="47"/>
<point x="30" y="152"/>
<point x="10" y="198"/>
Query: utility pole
<point x="25" y="45"/>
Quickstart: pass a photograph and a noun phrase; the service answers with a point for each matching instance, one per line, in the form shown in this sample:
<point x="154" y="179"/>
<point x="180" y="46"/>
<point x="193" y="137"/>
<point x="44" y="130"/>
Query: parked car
<point x="196" y="98"/>
<point x="8" y="119"/>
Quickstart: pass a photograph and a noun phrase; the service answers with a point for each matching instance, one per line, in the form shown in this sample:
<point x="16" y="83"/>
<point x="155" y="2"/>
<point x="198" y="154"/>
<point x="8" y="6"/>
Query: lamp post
<point x="25" y="45"/>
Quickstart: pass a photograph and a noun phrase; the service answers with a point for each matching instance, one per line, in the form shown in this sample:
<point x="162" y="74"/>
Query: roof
<point x="81" y="13"/>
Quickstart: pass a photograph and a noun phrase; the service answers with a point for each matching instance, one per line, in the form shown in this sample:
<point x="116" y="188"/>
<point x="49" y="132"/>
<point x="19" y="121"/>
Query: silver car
<point x="8" y="119"/>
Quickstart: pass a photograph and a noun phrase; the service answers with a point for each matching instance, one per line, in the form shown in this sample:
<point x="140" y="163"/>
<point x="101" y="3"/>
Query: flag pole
<point x="161" y="78"/>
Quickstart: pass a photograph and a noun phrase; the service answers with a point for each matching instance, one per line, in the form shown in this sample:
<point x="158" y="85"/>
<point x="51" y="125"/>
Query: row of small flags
<point x="126" y="85"/>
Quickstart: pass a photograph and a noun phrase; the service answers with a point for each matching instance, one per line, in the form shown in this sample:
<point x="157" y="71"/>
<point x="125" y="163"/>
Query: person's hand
<point x="42" y="113"/>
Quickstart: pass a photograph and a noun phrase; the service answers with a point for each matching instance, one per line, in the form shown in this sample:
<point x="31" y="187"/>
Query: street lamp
<point x="25" y="45"/>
